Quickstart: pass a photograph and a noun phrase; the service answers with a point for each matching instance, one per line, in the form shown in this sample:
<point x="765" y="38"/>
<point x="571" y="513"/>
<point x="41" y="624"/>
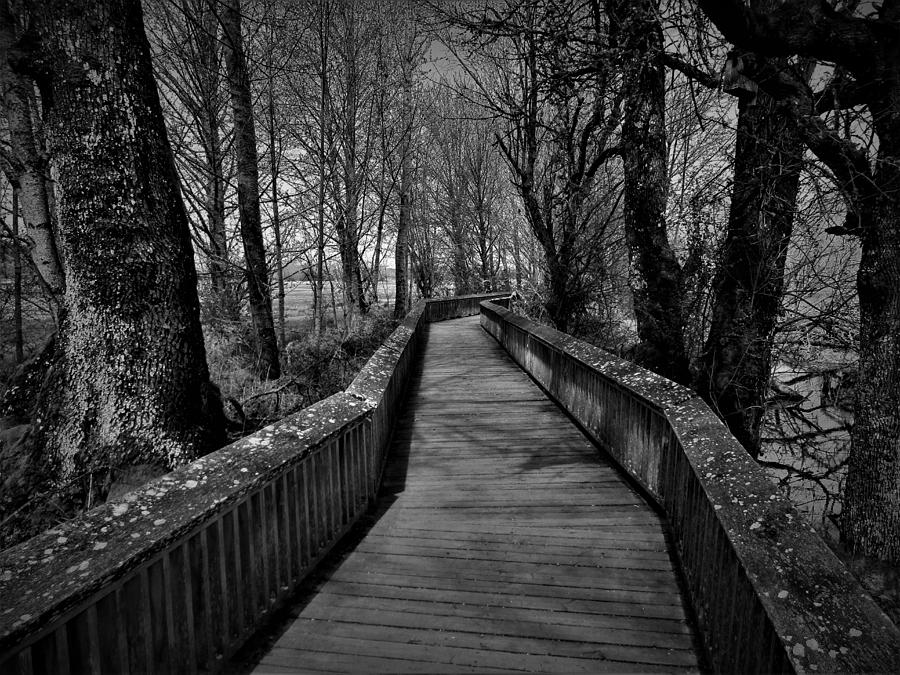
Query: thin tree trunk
<point x="17" y="280"/>
<point x="749" y="280"/>
<point x="131" y="384"/>
<point x="323" y="158"/>
<point x="30" y="167"/>
<point x="267" y="365"/>
<point x="517" y="256"/>
<point x="224" y="298"/>
<point x="276" y="222"/>
<point x="401" y="247"/>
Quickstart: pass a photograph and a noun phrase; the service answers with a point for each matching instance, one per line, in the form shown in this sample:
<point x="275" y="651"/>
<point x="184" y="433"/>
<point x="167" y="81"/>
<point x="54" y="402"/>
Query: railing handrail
<point x="769" y="593"/>
<point x="59" y="588"/>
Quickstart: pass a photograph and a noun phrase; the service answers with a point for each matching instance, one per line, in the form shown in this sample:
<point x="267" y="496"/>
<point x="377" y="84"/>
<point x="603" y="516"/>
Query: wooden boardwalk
<point x="503" y="542"/>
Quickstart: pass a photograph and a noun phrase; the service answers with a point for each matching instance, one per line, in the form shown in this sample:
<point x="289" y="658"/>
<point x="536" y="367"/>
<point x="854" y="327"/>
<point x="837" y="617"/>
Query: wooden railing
<point x="769" y="595"/>
<point x="177" y="575"/>
<point x="440" y="309"/>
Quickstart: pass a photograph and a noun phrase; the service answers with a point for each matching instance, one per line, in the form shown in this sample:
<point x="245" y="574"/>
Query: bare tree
<point x="541" y="77"/>
<point x="867" y="50"/>
<point x="188" y="66"/>
<point x="267" y="365"/>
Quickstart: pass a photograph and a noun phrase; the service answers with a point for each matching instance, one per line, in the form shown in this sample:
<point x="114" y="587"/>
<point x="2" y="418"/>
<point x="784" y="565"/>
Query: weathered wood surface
<point x="502" y="542"/>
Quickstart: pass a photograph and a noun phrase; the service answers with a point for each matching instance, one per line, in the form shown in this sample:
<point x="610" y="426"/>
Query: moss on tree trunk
<point x="131" y="383"/>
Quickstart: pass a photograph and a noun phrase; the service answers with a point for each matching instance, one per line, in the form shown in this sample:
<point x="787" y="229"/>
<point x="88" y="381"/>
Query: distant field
<point x="298" y="302"/>
<point x="37" y="324"/>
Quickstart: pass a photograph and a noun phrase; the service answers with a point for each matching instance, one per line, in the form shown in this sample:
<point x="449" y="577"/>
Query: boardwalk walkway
<point x="502" y="543"/>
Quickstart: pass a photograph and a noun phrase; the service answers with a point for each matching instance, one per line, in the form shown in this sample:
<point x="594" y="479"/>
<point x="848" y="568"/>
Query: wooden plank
<point x="658" y="560"/>
<point x="611" y="593"/>
<point x="506" y="542"/>
<point x="511" y="644"/>
<point x="488" y="598"/>
<point x="447" y="657"/>
<point x="562" y="545"/>
<point x="494" y="618"/>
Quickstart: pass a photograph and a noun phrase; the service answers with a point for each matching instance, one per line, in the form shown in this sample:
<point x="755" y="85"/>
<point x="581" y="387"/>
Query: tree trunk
<point x="267" y="364"/>
<point x="401" y="249"/>
<point x="319" y="319"/>
<point x="749" y="280"/>
<point x="225" y="300"/>
<point x="558" y="304"/>
<point x="517" y="256"/>
<point x="658" y="287"/>
<point x="348" y="223"/>
<point x="871" y="519"/>
<point x="276" y="222"/>
<point x="17" y="280"/>
<point x="30" y="168"/>
<point x="131" y="384"/>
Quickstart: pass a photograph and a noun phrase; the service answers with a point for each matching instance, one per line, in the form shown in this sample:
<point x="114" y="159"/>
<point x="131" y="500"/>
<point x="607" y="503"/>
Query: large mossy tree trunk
<point x="247" y="160"/>
<point x="657" y="277"/>
<point x="130" y="384"/>
<point x="749" y="281"/>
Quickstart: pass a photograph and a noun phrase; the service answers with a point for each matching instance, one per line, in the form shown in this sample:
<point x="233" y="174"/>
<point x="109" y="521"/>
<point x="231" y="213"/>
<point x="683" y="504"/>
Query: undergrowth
<point x="315" y="365"/>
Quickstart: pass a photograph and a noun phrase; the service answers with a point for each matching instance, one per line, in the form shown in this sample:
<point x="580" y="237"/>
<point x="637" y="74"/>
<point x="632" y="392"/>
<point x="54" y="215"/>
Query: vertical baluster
<point x="258" y="542"/>
<point x="333" y="489"/>
<point x="313" y="504"/>
<point x="113" y="656"/>
<point x="235" y="588"/>
<point x="347" y="464"/>
<point x="245" y="582"/>
<point x="181" y="594"/>
<point x="327" y="491"/>
<point x="25" y="664"/>
<point x="340" y="475"/>
<point x="284" y="495"/>
<point x="140" y="632"/>
<point x="63" y="661"/>
<point x="303" y="518"/>
<point x="321" y="499"/>
<point x="84" y="642"/>
<point x="359" y="474"/>
<point x="158" y="617"/>
<point x="273" y="551"/>
<point x="201" y="577"/>
<point x="369" y="452"/>
<point x="225" y="602"/>
<point x="50" y="654"/>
